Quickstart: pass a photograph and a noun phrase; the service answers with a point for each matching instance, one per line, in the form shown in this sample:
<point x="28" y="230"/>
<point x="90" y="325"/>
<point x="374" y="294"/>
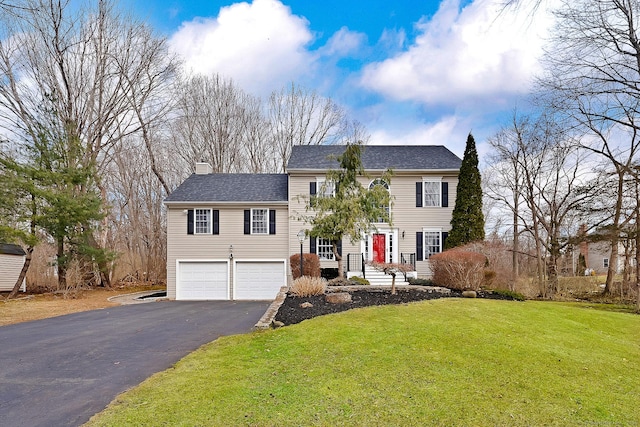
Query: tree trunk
<point x="514" y="255"/>
<point x="338" y="257"/>
<point x="23" y="273"/>
<point x="62" y="268"/>
<point x="393" y="283"/>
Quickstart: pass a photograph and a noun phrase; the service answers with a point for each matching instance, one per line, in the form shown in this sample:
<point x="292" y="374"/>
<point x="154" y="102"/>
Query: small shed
<point x="12" y="259"/>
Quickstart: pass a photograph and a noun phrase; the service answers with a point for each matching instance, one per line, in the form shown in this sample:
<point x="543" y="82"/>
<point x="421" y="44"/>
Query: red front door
<point x="379" y="248"/>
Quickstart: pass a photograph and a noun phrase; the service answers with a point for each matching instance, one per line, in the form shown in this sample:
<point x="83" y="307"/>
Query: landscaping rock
<point x="469" y="294"/>
<point x="277" y="324"/>
<point x="306" y="304"/>
<point x="338" y="298"/>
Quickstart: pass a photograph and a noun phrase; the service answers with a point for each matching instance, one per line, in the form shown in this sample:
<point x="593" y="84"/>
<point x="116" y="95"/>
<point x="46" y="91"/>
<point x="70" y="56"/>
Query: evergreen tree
<point x="49" y="191"/>
<point x="467" y="221"/>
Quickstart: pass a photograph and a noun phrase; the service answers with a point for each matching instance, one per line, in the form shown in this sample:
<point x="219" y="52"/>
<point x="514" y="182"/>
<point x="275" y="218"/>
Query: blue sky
<point x="413" y="72"/>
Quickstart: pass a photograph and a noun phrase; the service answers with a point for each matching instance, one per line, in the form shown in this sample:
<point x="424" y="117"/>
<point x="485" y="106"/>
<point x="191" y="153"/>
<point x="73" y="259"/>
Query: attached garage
<point x="258" y="280"/>
<point x="202" y="280"/>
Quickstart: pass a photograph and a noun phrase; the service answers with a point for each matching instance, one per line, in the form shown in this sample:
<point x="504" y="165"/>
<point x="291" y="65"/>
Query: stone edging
<point x="267" y="318"/>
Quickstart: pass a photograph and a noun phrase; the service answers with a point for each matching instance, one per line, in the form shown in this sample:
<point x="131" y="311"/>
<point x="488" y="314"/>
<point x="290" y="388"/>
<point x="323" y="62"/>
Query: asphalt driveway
<point x="63" y="370"/>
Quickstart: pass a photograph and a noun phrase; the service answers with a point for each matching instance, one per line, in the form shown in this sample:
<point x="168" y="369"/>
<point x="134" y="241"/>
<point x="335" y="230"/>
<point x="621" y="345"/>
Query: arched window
<point x="382" y="183"/>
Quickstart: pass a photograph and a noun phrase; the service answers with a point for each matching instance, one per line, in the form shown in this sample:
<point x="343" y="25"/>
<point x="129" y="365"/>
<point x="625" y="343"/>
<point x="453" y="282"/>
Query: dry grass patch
<point x="34" y="307"/>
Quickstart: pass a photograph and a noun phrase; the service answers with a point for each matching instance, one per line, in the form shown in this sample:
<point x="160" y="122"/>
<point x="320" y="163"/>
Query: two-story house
<point x="229" y="236"/>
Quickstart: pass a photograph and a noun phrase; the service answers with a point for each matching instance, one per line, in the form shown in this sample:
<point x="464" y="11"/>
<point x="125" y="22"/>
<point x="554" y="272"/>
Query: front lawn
<point x="441" y="362"/>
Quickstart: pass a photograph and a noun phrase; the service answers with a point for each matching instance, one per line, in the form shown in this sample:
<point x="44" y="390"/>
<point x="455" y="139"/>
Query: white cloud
<point x="461" y="54"/>
<point x="261" y="45"/>
<point x="344" y="42"/>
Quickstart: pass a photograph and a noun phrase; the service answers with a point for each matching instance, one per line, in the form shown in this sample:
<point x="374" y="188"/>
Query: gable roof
<point x="10" y="249"/>
<point x="232" y="187"/>
<point x="377" y="157"/>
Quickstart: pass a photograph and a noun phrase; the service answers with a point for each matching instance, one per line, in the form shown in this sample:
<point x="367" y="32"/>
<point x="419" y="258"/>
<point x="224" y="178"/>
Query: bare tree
<point x="78" y="73"/>
<point x="539" y="164"/>
<point x="215" y="122"/>
<point x="593" y="78"/>
<point x="302" y="117"/>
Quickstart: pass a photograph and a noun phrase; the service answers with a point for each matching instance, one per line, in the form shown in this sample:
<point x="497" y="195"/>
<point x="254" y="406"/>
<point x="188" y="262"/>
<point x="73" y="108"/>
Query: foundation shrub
<point x="458" y="269"/>
<point x="310" y="265"/>
<point x="308" y="286"/>
<point x="498" y="263"/>
<point x="420" y="281"/>
<point x="357" y="280"/>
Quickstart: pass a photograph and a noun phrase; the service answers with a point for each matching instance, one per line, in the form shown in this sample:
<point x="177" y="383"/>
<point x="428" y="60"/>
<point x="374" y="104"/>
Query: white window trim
<point x="209" y="221"/>
<point x="424" y="241"/>
<point x="267" y="222"/>
<point x="320" y="183"/>
<point x="605" y="262"/>
<point x="431" y="179"/>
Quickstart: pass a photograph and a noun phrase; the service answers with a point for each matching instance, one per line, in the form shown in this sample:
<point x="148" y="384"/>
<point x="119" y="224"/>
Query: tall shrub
<point x="467" y="221"/>
<point x="310" y="265"/>
<point x="458" y="269"/>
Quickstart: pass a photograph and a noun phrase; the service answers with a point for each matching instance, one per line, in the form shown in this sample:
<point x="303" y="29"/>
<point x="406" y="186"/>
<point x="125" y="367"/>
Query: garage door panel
<point x="256" y="280"/>
<point x="202" y="281"/>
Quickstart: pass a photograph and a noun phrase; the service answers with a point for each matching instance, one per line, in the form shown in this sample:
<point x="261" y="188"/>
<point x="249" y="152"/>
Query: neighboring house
<point x="229" y="236"/>
<point x="598" y="255"/>
<point x="12" y="259"/>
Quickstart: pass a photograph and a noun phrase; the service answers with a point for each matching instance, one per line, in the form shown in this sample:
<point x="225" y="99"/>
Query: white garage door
<point x="202" y="280"/>
<point x="259" y="279"/>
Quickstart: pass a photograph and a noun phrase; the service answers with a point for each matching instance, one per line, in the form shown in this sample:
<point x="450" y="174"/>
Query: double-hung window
<point x="432" y="243"/>
<point x="325" y="188"/>
<point x="432" y="195"/>
<point x="259" y="221"/>
<point x="202" y="221"/>
<point x="324" y="249"/>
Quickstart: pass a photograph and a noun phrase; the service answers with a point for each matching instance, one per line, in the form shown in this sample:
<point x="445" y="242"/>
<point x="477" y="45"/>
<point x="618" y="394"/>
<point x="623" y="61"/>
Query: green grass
<point x="461" y="362"/>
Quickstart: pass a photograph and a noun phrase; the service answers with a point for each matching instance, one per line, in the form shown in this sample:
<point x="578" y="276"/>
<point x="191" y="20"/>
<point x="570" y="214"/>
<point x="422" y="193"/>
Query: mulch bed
<point x="291" y="312"/>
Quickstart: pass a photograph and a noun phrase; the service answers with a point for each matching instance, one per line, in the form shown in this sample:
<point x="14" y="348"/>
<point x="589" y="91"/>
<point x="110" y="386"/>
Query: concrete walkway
<point x="63" y="370"/>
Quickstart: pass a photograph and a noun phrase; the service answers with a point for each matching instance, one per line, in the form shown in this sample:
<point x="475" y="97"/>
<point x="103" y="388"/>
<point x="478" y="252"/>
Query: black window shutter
<point x="247" y="221"/>
<point x="339" y="247"/>
<point x="444" y="239"/>
<point x="312" y="245"/>
<point x="312" y="192"/>
<point x="190" y="221"/>
<point x="272" y="221"/>
<point x="445" y="194"/>
<point x="216" y="222"/>
<point x="418" y="194"/>
<point x="419" y="250"/>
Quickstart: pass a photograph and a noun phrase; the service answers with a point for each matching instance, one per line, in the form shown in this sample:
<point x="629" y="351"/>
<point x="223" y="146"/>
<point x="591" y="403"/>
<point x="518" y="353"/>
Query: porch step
<point x="376" y="277"/>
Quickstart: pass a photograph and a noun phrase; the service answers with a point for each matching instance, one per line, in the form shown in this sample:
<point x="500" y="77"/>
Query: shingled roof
<point x="11" y="249"/>
<point x="232" y="187"/>
<point x="377" y="157"/>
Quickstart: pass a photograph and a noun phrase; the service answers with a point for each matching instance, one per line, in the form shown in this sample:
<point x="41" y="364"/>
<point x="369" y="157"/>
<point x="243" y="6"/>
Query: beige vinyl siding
<point x="10" y="268"/>
<point x="183" y="246"/>
<point x="405" y="215"/>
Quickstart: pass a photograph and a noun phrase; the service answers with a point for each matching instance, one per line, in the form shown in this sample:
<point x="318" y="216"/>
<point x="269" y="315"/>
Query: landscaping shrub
<point x="308" y="286"/>
<point x="310" y="264"/>
<point x="515" y="295"/>
<point x="339" y="282"/>
<point x="499" y="263"/>
<point x="458" y="269"/>
<point x="357" y="280"/>
<point x="419" y="281"/>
